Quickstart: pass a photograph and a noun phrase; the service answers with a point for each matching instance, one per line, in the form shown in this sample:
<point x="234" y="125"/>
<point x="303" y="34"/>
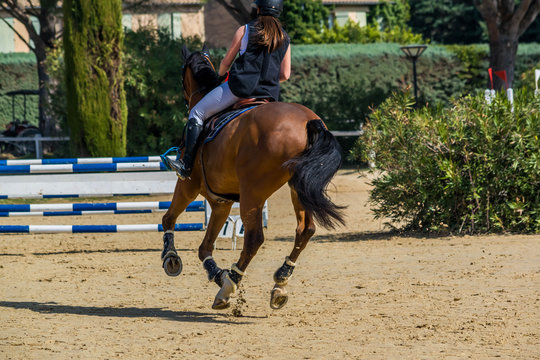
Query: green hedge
<point x="18" y="71"/>
<point x="471" y="168"/>
<point x="340" y="82"/>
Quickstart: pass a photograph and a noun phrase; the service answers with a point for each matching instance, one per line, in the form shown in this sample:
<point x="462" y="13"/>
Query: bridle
<point x="188" y="97"/>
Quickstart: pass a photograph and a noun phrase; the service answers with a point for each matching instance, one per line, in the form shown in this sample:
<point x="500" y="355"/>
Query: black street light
<point x="413" y="52"/>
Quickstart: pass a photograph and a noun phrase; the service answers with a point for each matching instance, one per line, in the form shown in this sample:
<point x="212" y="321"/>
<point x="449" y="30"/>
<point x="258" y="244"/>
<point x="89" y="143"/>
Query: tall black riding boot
<point x="184" y="166"/>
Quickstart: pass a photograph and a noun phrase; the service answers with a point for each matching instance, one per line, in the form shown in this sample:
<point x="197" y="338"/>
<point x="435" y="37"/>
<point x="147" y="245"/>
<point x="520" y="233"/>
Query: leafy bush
<point x="154" y="93"/>
<point x="299" y="16"/>
<point x="352" y="32"/>
<point x="341" y="82"/>
<point x="469" y="169"/>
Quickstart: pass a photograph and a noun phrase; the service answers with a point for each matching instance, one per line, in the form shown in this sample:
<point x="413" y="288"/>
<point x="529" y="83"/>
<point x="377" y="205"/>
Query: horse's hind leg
<point x="184" y="193"/>
<point x="220" y="212"/>
<point x="251" y="214"/>
<point x="304" y="231"/>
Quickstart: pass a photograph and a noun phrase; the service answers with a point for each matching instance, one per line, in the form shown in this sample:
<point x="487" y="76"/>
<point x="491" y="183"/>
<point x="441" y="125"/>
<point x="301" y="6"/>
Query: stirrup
<point x="166" y="160"/>
<point x="178" y="167"/>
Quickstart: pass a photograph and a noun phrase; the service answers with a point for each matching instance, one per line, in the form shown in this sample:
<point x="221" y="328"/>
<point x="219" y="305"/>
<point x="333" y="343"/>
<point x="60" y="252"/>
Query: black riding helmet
<point x="270" y="7"/>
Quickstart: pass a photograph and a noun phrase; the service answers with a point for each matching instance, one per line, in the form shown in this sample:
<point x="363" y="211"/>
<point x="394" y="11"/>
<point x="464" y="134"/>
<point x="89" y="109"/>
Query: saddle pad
<point x="222" y="121"/>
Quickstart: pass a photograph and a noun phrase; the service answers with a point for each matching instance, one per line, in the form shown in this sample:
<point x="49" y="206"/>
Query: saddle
<point x="216" y="123"/>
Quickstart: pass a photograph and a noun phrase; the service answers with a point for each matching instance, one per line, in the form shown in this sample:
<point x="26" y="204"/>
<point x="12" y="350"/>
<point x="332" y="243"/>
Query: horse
<point x="251" y="158"/>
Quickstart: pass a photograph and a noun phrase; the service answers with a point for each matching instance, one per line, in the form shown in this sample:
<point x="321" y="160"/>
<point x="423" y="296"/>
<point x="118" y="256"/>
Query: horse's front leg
<point x="304" y="231"/>
<point x="220" y="212"/>
<point x="184" y="193"/>
<point x="251" y="215"/>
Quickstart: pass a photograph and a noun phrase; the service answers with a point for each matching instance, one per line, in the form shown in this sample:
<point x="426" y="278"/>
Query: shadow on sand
<point x="365" y="236"/>
<point x="124" y="312"/>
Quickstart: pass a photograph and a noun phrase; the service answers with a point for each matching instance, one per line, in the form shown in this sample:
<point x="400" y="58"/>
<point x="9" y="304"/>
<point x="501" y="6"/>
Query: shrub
<point x="352" y="32"/>
<point x="468" y="169"/>
<point x="156" y="116"/>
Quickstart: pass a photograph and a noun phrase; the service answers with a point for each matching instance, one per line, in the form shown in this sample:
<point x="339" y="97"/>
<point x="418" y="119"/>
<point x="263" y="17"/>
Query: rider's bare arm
<point x="285" y="70"/>
<point x="227" y="61"/>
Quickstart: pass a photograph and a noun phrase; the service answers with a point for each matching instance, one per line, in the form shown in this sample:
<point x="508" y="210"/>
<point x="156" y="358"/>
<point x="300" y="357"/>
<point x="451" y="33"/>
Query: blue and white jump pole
<point x="44" y="229"/>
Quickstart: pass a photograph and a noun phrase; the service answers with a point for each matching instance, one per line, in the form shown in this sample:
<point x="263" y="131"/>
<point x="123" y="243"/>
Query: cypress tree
<point x="96" y="104"/>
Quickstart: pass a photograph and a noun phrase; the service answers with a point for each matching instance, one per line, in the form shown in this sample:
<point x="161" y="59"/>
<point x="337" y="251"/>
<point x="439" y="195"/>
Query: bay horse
<point x="252" y="157"/>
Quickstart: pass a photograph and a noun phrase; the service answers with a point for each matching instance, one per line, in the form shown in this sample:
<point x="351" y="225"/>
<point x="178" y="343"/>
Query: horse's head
<point x="199" y="75"/>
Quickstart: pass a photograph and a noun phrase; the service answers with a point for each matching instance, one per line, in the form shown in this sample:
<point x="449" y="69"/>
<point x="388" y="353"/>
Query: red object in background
<point x="502" y="74"/>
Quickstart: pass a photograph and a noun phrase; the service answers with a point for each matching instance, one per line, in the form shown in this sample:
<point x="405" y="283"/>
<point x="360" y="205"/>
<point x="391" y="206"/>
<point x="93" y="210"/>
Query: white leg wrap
<point x="237" y="270"/>
<point x="289" y="262"/>
<point x="169" y="232"/>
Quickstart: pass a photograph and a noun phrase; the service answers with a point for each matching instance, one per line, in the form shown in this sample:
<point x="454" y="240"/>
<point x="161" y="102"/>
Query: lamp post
<point x="413" y="52"/>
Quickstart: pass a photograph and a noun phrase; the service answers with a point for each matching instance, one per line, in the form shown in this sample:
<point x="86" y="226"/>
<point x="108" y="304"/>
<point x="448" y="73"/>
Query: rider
<point x="264" y="61"/>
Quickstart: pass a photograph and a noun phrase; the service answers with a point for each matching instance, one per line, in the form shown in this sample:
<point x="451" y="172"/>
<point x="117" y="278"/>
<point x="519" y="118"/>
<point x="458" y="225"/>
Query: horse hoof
<point x="220" y="304"/>
<point x="278" y="298"/>
<point x="172" y="264"/>
<point x="228" y="287"/>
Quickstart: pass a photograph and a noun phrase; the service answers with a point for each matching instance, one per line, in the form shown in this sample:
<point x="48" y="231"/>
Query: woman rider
<point x="264" y="61"/>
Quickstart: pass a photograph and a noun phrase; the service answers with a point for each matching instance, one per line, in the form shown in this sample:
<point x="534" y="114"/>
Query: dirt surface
<point x="358" y="292"/>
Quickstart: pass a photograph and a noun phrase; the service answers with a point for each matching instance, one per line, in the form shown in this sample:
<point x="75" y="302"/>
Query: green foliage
<point x="300" y="17"/>
<point x="96" y="104"/>
<point x="154" y="90"/>
<point x="341" y="82"/>
<point x="532" y="34"/>
<point x="387" y="24"/>
<point x="57" y="86"/>
<point x="17" y="58"/>
<point x="474" y="61"/>
<point x="469" y="169"/>
<point x="447" y="21"/>
<point x="352" y="32"/>
<point x="18" y="72"/>
<point x="528" y="78"/>
<point x="390" y="14"/>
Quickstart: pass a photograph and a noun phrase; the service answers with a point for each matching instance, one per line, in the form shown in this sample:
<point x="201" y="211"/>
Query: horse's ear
<point x="185" y="52"/>
<point x="205" y="49"/>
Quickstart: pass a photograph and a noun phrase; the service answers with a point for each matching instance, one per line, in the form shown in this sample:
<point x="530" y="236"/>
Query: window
<point x="171" y="23"/>
<point x="361" y="18"/>
<point x="37" y="26"/>
<point x="7" y="36"/>
<point x="341" y="17"/>
<point x="126" y="21"/>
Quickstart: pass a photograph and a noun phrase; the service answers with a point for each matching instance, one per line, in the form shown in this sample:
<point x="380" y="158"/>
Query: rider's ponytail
<point x="269" y="32"/>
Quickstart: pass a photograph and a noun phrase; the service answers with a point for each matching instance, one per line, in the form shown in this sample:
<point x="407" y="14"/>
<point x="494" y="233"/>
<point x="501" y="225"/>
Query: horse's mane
<point x="203" y="72"/>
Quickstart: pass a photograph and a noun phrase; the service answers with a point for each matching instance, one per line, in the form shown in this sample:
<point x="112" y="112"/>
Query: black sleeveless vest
<point x="255" y="73"/>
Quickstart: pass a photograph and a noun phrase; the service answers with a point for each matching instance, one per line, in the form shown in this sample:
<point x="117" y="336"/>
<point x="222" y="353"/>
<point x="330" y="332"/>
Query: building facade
<point x="206" y="19"/>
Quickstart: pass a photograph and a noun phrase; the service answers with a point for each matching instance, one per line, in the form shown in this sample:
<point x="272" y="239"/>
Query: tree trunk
<point x="96" y="105"/>
<point x="503" y="52"/>
<point x="43" y="41"/>
<point x="506" y="21"/>
<point x="47" y="125"/>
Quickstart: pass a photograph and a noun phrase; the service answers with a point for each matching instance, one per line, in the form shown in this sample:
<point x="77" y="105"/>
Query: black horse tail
<point x="313" y="170"/>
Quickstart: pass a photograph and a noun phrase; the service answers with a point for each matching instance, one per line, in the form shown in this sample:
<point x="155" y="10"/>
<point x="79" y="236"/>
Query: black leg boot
<point x="184" y="166"/>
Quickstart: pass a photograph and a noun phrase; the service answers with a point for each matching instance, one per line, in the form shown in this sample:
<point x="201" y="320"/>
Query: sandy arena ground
<point x="357" y="293"/>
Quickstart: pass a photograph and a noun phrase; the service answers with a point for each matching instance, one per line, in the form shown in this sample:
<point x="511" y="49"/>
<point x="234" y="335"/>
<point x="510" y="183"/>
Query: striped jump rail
<point x="68" y="196"/>
<point x="143" y="205"/>
<point x="91" y="208"/>
<point x="82" y="168"/>
<point x="77" y="213"/>
<point x="101" y="160"/>
<point x="48" y="229"/>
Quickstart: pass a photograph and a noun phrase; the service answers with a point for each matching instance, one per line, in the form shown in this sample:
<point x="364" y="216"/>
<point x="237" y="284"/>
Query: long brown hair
<point x="269" y="32"/>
